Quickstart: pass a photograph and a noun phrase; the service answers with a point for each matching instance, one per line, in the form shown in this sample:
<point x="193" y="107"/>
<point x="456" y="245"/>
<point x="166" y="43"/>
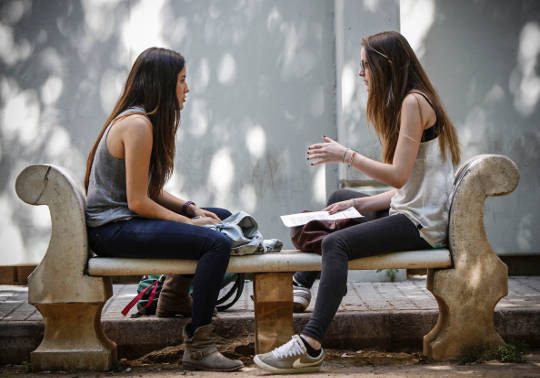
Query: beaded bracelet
<point x="185" y="206"/>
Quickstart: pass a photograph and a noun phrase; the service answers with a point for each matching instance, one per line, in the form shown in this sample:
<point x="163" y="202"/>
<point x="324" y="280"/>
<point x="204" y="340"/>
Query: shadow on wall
<point x="262" y="88"/>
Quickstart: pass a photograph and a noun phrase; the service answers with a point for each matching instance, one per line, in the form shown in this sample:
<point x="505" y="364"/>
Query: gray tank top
<point x="106" y="200"/>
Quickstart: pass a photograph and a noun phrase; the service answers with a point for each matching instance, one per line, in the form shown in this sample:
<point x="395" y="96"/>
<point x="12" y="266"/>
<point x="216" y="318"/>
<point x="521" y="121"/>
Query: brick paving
<point x="523" y="294"/>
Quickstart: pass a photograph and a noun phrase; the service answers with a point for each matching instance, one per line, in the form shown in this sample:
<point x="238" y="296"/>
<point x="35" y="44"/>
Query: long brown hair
<point x="394" y="72"/>
<point x="151" y="84"/>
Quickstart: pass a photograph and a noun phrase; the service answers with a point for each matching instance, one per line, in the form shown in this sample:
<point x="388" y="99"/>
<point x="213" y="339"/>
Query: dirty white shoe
<point x="301" y="297"/>
<point x="291" y="357"/>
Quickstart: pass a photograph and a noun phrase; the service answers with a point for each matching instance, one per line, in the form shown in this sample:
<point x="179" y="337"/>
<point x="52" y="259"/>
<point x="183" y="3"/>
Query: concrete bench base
<point x="70" y="298"/>
<point x="73" y="338"/>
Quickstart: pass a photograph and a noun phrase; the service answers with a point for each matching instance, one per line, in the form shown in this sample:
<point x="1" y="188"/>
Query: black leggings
<point x="380" y="234"/>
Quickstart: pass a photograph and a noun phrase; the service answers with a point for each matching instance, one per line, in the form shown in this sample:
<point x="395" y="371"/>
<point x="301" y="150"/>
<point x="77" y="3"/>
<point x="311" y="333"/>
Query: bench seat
<point x="284" y="261"/>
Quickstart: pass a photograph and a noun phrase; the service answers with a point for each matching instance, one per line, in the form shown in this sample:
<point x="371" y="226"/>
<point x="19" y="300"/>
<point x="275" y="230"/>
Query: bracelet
<point x="352" y="158"/>
<point x="354" y="202"/>
<point x="185" y="206"/>
<point x="345" y="154"/>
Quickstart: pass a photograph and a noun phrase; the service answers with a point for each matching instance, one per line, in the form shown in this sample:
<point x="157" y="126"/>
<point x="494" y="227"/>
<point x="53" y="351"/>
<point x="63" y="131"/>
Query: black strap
<point x="431" y="132"/>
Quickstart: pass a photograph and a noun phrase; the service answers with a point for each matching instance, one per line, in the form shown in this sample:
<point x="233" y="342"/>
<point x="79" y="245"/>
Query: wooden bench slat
<point x="285" y="261"/>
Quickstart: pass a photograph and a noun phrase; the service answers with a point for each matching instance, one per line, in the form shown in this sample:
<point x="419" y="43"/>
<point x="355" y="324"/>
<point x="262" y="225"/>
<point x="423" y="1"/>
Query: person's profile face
<point x="364" y="68"/>
<point x="181" y="88"/>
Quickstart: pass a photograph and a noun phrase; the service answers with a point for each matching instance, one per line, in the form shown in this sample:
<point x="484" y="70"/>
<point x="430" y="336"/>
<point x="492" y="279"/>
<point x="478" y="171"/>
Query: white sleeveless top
<point x="425" y="198"/>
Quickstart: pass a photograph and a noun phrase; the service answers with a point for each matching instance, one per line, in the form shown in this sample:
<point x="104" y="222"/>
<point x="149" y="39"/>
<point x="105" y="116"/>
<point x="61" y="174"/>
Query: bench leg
<point x="466" y="302"/>
<point x="73" y="339"/>
<point x="273" y="310"/>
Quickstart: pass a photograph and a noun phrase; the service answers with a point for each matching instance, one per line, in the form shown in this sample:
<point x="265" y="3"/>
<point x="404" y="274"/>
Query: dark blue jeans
<point x="154" y="238"/>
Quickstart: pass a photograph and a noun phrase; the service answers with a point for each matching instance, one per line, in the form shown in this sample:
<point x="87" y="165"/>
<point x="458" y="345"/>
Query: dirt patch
<point x="242" y="348"/>
<point x="373" y="358"/>
<point x="166" y="362"/>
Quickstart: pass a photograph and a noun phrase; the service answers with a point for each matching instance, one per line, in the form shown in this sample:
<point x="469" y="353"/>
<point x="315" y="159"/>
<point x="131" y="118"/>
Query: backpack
<point x="150" y="286"/>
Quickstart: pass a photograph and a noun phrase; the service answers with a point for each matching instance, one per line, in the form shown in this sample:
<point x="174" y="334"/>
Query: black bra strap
<point x="431" y="132"/>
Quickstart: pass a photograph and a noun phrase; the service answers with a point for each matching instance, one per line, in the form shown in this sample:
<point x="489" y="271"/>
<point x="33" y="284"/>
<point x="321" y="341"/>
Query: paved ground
<point x="523" y="293"/>
<point x="373" y="316"/>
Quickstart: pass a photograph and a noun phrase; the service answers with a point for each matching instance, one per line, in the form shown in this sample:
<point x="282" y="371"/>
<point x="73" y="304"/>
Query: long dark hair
<point x="151" y="84"/>
<point x="394" y="72"/>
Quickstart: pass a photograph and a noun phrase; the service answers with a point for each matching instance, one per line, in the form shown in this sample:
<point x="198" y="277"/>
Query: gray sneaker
<point x="301" y="298"/>
<point x="291" y="357"/>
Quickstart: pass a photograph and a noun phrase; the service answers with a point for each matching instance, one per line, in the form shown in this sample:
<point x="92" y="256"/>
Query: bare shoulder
<point x="415" y="104"/>
<point x="413" y="99"/>
<point x="135" y="122"/>
<point x="135" y="125"/>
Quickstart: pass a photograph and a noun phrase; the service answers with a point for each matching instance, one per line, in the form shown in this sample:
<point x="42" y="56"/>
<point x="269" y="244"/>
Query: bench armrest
<point x="480" y="177"/>
<point x="60" y="278"/>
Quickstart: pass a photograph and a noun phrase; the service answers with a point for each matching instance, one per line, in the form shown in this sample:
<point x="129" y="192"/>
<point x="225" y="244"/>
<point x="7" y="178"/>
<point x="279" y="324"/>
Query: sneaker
<point x="291" y="357"/>
<point x="301" y="298"/>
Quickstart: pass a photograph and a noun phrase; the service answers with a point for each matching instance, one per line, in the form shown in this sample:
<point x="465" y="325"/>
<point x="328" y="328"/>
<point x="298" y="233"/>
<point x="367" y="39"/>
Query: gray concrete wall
<point x="267" y="79"/>
<point x="262" y="77"/>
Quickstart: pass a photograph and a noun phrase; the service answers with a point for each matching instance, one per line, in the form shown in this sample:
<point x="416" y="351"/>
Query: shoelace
<point x="291" y="348"/>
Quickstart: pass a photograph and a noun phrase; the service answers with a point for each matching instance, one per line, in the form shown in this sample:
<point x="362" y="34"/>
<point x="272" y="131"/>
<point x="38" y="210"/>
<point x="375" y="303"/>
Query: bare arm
<point x="364" y="205"/>
<point x="176" y="204"/>
<point x="135" y="134"/>
<point x="395" y="174"/>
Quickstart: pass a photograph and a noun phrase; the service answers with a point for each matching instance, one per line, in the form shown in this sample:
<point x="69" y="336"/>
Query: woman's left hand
<point x="339" y="206"/>
<point x="328" y="152"/>
<point x="205" y="213"/>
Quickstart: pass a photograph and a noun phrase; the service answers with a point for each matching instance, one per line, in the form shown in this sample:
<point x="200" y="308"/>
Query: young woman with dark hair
<point x="129" y="214"/>
<point x="420" y="148"/>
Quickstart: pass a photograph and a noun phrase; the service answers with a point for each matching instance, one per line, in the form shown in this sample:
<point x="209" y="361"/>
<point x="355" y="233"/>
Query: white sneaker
<point x="301" y="298"/>
<point x="291" y="357"/>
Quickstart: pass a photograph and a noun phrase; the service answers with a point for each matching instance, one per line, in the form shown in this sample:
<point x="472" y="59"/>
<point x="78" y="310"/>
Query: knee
<point x="223" y="213"/>
<point x="222" y="244"/>
<point x="333" y="198"/>
<point x="334" y="246"/>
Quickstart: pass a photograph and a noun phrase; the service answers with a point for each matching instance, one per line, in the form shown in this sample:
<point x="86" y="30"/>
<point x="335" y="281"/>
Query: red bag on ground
<point x="309" y="237"/>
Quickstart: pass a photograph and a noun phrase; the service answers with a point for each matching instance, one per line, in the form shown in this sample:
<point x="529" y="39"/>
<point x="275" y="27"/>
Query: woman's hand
<point x="205" y="213"/>
<point x="203" y="221"/>
<point x="339" y="206"/>
<point x="328" y="152"/>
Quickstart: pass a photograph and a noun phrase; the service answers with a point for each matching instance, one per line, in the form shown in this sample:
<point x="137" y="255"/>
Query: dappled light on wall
<point x="227" y="69"/>
<point x="201" y="74"/>
<point x="249" y="197"/>
<point x="417" y="17"/>
<point x="348" y="85"/>
<point x="318" y="187"/>
<point x="20" y="114"/>
<point x="256" y="141"/>
<point x="110" y="88"/>
<point x="144" y="26"/>
<point x="199" y="113"/>
<point x="524" y="81"/>
<point x="221" y="176"/>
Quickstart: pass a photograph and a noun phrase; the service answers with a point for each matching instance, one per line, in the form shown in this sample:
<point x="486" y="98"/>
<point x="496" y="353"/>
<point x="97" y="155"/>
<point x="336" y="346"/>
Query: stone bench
<point x="69" y="287"/>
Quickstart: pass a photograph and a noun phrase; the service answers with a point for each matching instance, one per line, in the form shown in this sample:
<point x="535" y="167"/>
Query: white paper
<point x="299" y="219"/>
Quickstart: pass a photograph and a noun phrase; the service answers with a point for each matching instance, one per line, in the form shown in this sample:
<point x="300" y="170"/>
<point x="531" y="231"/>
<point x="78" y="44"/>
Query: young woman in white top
<point x="420" y="148"/>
